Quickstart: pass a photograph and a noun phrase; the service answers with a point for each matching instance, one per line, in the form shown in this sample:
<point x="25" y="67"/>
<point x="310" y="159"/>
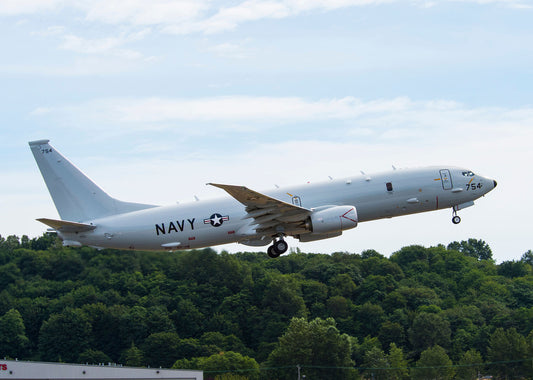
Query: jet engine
<point x="333" y="219"/>
<point x="330" y="221"/>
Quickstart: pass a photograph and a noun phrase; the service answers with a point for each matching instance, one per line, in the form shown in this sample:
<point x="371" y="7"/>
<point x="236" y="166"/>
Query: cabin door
<point x="446" y="179"/>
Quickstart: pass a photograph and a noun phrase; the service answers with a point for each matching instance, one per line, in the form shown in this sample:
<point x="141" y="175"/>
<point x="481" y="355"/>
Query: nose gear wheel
<point x="456" y="219"/>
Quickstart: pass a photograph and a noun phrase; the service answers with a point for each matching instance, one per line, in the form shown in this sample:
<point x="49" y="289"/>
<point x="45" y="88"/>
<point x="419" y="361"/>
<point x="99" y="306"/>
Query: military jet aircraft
<point x="89" y="216"/>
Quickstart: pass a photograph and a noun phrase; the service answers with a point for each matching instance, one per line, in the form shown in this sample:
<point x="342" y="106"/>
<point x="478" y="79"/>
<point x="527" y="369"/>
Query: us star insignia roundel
<point x="216" y="220"/>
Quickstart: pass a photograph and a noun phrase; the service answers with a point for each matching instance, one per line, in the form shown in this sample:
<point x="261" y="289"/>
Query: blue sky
<point x="152" y="99"/>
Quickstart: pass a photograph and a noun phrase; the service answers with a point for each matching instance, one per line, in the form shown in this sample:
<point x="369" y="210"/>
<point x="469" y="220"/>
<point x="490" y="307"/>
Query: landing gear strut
<point x="456" y="219"/>
<point x="277" y="248"/>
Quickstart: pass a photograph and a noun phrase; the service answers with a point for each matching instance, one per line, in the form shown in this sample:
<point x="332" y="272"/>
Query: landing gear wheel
<point x="277" y="248"/>
<point x="271" y="253"/>
<point x="456" y="219"/>
<point x="280" y="246"/>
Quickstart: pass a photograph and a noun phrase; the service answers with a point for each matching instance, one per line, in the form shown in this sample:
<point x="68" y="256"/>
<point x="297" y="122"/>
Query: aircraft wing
<point x="66" y="226"/>
<point x="270" y="215"/>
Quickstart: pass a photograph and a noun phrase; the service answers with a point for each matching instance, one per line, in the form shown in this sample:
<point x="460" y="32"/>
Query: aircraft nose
<point x="495" y="183"/>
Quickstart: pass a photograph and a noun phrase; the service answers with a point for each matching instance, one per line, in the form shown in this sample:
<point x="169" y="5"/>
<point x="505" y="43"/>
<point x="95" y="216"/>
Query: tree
<point x="375" y="364"/>
<point x="231" y="376"/>
<point x="429" y="330"/>
<point x="434" y="363"/>
<point x="470" y="365"/>
<point x="529" y="342"/>
<point x="339" y="307"/>
<point x="187" y="318"/>
<point x="369" y="318"/>
<point x="378" y="365"/>
<point x="391" y="332"/>
<point x="44" y="242"/>
<point x="223" y="365"/>
<point x="158" y="320"/>
<point x="505" y="348"/>
<point x="414" y="297"/>
<point x="9" y="273"/>
<point x="230" y="363"/>
<point x="221" y="342"/>
<point x="134" y="325"/>
<point x="283" y="295"/>
<point x="65" y="336"/>
<point x="461" y="342"/>
<point x="77" y="303"/>
<point x="514" y="269"/>
<point x="343" y="285"/>
<point x="12" y="242"/>
<point x="315" y="343"/>
<point x="13" y="340"/>
<point x="360" y="349"/>
<point x="475" y="248"/>
<point x="398" y="364"/>
<point x="527" y="257"/>
<point x="105" y="323"/>
<point x="375" y="287"/>
<point x="91" y="356"/>
<point x="161" y="349"/>
<point x="132" y="357"/>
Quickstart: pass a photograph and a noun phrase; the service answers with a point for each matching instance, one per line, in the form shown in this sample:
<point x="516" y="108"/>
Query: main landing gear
<point x="277" y="248"/>
<point x="456" y="219"/>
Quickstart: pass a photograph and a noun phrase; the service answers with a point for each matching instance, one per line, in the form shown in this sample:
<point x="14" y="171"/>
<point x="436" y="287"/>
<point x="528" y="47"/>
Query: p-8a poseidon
<point x="310" y="212"/>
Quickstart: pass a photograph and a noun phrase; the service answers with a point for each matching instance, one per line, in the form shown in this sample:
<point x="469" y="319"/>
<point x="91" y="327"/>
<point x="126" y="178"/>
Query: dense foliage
<point x="451" y="308"/>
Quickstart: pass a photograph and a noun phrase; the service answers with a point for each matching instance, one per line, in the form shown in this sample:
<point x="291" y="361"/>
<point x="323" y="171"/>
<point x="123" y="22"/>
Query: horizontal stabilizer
<point x="66" y="226"/>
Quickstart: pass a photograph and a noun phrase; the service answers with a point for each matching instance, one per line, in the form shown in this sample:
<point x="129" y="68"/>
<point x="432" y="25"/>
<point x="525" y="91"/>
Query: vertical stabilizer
<point x="76" y="197"/>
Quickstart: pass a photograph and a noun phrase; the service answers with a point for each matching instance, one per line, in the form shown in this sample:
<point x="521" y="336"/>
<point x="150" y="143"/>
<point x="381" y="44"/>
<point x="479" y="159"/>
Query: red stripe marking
<point x="345" y="217"/>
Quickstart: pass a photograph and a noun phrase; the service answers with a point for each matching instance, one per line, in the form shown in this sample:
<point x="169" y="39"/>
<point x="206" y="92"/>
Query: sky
<point x="153" y="99"/>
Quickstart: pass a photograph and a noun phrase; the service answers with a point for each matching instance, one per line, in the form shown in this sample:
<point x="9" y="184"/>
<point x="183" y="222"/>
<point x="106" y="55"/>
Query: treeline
<point x="446" y="309"/>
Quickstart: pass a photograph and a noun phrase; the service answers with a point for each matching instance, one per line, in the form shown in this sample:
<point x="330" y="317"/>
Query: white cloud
<point x="116" y="62"/>
<point x="230" y="50"/>
<point x="40" y="111"/>
<point x="395" y="111"/>
<point x="202" y="16"/>
<point x="251" y="10"/>
<point x="399" y="120"/>
<point x="86" y="46"/>
<point x="228" y="109"/>
<point x="17" y="7"/>
<point x="140" y="12"/>
<point x="104" y="46"/>
<point x="55" y="30"/>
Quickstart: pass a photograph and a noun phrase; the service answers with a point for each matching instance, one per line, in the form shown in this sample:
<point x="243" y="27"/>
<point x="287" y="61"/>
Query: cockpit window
<point x="468" y="173"/>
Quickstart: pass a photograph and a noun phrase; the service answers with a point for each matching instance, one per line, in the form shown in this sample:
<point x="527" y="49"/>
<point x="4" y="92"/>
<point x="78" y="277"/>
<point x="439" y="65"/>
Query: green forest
<point x="441" y="312"/>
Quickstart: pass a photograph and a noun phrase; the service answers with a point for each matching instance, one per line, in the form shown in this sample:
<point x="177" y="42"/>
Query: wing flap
<point x="270" y="215"/>
<point x="66" y="226"/>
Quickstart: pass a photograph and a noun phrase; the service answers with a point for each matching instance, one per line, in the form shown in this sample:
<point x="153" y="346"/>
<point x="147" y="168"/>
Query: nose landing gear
<point x="277" y="248"/>
<point x="456" y="219"/>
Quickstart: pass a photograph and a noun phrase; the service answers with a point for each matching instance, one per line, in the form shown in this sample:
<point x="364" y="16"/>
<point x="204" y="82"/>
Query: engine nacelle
<point x="333" y="219"/>
<point x="304" y="238"/>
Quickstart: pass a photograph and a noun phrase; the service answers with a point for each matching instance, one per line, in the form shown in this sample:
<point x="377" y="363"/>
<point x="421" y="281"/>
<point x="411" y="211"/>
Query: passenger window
<point x="389" y="186"/>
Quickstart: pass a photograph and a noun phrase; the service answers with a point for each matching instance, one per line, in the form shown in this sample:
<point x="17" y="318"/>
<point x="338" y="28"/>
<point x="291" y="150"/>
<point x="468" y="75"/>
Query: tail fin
<point x="76" y="197"/>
